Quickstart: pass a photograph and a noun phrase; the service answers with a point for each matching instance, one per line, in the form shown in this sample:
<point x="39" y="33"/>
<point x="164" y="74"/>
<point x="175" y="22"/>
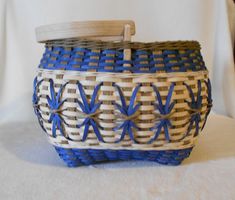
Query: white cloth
<point x="31" y="170"/>
<point x="204" y="20"/>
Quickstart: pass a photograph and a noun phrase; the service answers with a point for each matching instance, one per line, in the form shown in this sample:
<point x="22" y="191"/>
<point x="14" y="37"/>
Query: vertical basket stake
<point x="127" y="38"/>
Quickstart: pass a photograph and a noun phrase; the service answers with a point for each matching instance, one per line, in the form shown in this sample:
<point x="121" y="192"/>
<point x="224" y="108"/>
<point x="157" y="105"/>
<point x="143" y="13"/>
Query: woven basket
<point x="100" y="97"/>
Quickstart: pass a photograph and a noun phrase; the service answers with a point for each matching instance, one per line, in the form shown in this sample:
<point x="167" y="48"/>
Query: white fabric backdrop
<point x="207" y="21"/>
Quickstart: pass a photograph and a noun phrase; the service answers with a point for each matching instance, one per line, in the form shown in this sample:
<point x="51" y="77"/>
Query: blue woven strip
<point x="127" y="110"/>
<point x="195" y="104"/>
<point x="83" y="59"/>
<point x="164" y="109"/>
<point x="79" y="157"/>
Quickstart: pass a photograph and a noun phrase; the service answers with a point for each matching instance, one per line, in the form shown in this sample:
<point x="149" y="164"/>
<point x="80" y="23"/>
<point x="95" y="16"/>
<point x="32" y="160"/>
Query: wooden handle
<point x="111" y="30"/>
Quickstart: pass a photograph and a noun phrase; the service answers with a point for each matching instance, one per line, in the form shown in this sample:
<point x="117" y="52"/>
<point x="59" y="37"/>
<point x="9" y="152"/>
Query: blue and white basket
<point x="100" y="97"/>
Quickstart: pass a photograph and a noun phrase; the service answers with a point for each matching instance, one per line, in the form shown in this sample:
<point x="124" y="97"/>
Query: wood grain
<point x="84" y="29"/>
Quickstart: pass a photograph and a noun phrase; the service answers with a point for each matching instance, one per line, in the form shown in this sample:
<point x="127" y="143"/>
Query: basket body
<point x="95" y="106"/>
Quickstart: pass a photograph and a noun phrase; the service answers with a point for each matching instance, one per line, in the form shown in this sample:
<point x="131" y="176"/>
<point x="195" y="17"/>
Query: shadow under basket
<point x="100" y="97"/>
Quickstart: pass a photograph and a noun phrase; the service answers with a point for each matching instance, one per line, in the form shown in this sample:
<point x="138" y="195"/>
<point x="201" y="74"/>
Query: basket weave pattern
<point x="90" y="97"/>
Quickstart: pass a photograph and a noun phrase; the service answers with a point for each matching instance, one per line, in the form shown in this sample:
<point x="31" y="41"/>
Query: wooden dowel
<point x="127" y="37"/>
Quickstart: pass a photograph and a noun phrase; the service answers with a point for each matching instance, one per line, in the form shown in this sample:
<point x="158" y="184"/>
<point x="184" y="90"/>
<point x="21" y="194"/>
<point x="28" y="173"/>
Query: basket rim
<point x="98" y="44"/>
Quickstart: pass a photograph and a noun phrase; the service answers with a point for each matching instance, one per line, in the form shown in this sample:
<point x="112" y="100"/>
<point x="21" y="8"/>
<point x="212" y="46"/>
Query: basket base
<point x="80" y="157"/>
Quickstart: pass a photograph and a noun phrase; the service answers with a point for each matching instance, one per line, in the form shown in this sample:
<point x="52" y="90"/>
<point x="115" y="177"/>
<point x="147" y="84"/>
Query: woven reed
<point x="100" y="97"/>
<point x="96" y="44"/>
<point x="108" y="116"/>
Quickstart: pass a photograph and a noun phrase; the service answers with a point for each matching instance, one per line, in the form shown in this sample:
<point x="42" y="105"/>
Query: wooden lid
<point x="84" y="29"/>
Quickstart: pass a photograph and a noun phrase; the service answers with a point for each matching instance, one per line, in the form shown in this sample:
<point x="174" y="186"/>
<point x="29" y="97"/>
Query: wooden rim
<point x="84" y="29"/>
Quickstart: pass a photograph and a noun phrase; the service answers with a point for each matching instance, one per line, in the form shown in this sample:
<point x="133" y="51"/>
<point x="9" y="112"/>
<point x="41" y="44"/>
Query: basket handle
<point x="103" y="30"/>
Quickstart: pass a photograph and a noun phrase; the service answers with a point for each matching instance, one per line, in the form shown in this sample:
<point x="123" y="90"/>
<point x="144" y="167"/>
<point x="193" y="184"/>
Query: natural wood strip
<point x="106" y="30"/>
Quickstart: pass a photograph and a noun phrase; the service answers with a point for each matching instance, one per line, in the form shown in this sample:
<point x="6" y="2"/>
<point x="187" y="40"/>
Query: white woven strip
<point x="140" y="76"/>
